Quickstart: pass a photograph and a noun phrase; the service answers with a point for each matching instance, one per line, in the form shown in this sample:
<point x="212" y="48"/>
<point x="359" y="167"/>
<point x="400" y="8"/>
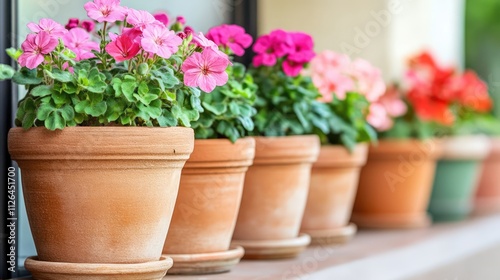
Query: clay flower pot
<point x="334" y="181"/>
<point x="395" y="184"/>
<point x="488" y="193"/>
<point x="275" y="196"/>
<point x="100" y="197"/>
<point x="457" y="177"/>
<point x="207" y="207"/>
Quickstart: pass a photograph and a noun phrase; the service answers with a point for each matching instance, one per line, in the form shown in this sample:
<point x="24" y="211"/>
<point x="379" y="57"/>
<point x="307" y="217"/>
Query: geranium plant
<point x="443" y="101"/>
<point x="145" y="74"/>
<point x="286" y="97"/>
<point x="228" y="110"/>
<point x="354" y="93"/>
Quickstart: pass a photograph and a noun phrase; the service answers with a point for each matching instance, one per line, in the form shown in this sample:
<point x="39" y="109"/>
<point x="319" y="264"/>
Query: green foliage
<point x="143" y="94"/>
<point x="227" y="111"/>
<point x="284" y="103"/>
<point x="346" y="121"/>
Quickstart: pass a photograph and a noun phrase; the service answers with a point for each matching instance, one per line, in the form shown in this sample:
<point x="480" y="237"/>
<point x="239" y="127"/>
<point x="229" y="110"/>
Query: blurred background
<point x="465" y="33"/>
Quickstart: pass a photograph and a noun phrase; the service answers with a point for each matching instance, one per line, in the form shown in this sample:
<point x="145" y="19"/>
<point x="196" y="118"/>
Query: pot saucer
<point x="42" y="270"/>
<point x="206" y="263"/>
<point x="391" y="221"/>
<point x="332" y="236"/>
<point x="486" y="206"/>
<point x="274" y="249"/>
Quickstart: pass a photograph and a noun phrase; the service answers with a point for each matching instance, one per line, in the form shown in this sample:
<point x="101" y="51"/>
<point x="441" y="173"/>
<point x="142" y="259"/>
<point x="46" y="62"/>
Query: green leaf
<point x="179" y="114"/>
<point x="58" y="75"/>
<point x="67" y="113"/>
<point x="44" y="111"/>
<point x="6" y="72"/>
<point x="196" y="103"/>
<point x="128" y="88"/>
<point x="55" y="121"/>
<point x="26" y="76"/>
<point x="14" y="53"/>
<point x="247" y="123"/>
<point x="41" y="91"/>
<point x="81" y="106"/>
<point x="167" y="119"/>
<point x="234" y="108"/>
<point x="96" y="110"/>
<point x="218" y="108"/>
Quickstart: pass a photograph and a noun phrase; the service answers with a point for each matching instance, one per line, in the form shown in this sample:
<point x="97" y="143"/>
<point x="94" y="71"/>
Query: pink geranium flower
<point x="35" y="47"/>
<point x="162" y="17"/>
<point x="330" y="74"/>
<point x="140" y="19"/>
<point x="233" y="37"/>
<point x="123" y="48"/>
<point x="378" y="117"/>
<point x="78" y="41"/>
<point x="105" y="10"/>
<point x="160" y="40"/>
<point x="368" y="79"/>
<point x="205" y="70"/>
<point x="51" y="27"/>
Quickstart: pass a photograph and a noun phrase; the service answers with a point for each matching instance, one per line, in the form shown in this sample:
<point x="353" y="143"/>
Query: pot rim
<point x="213" y="153"/>
<point x="95" y="143"/>
<point x="286" y="149"/>
<point x="331" y="156"/>
<point x="394" y="148"/>
<point x="469" y="147"/>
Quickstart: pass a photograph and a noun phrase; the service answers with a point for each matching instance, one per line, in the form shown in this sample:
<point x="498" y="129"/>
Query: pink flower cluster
<point x="144" y="35"/>
<point x="293" y="49"/>
<point x="335" y="75"/>
<point x="232" y="37"/>
<point x="42" y="41"/>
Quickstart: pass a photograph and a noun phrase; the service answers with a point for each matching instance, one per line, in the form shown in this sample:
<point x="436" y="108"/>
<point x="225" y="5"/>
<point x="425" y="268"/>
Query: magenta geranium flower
<point x="140" y="19"/>
<point x="233" y="37"/>
<point x="123" y="48"/>
<point x="51" y="27"/>
<point x="72" y="23"/>
<point x="162" y="17"/>
<point x="105" y="10"/>
<point x="78" y="41"/>
<point x="269" y="48"/>
<point x="160" y="40"/>
<point x="205" y="70"/>
<point x="35" y="47"/>
<point x="88" y="25"/>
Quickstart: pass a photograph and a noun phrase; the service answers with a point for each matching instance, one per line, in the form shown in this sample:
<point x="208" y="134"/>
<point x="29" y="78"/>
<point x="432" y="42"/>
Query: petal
<point x="220" y="78"/>
<point x="237" y="49"/>
<point x="206" y="83"/>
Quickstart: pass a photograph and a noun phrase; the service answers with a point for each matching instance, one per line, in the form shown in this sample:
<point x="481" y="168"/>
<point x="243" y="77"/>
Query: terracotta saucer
<point x="42" y="270"/>
<point x="274" y="249"/>
<point x="486" y="206"/>
<point x="332" y="236"/>
<point x="207" y="263"/>
<point x="393" y="221"/>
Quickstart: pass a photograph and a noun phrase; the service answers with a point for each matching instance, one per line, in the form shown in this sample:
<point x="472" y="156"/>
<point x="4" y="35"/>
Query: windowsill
<point x="465" y="250"/>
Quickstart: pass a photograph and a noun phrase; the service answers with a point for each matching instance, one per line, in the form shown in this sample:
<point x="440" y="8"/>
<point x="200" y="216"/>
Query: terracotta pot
<point x="457" y="177"/>
<point x="488" y="193"/>
<point x="209" y="198"/>
<point x="276" y="187"/>
<point x="395" y="184"/>
<point x="334" y="181"/>
<point x="100" y="194"/>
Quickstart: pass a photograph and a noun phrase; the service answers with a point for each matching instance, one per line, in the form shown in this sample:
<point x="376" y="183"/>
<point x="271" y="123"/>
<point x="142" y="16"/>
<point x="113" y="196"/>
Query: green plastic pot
<point x="457" y="177"/>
